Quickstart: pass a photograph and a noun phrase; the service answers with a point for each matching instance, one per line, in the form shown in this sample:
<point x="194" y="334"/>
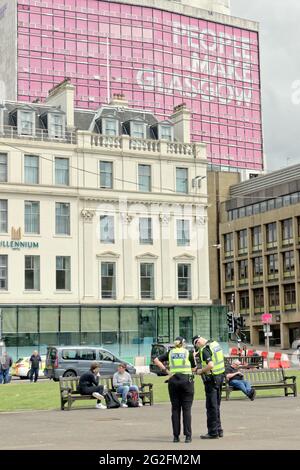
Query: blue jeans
<point x="124" y="389"/>
<point x="4" y="376"/>
<point x="242" y="385"/>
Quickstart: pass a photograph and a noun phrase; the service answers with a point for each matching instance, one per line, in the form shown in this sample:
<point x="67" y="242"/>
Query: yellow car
<point x="21" y="367"/>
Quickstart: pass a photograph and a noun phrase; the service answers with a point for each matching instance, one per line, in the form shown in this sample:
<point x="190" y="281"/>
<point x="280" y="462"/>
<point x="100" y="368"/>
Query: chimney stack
<point x="181" y="119"/>
<point x="119" y="100"/>
<point x="62" y="96"/>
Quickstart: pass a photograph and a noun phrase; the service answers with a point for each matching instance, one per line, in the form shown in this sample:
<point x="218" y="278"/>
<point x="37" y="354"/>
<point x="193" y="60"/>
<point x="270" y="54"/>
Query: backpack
<point x="111" y="400"/>
<point x="132" y="399"/>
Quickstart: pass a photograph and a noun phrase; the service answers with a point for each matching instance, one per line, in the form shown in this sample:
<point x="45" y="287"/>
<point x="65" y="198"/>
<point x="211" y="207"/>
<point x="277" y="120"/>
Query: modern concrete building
<point x="260" y="253"/>
<point x="158" y="53"/>
<point x="103" y="227"/>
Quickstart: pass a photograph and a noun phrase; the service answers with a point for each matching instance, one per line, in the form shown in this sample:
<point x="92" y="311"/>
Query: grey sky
<point x="280" y="69"/>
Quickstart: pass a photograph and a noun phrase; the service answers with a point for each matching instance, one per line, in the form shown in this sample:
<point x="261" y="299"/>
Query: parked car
<point x="296" y="344"/>
<point x="21" y="367"/>
<point x="158" y="349"/>
<point x="73" y="361"/>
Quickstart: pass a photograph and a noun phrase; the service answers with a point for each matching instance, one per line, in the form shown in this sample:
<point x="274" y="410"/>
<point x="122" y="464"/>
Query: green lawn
<point x="44" y="395"/>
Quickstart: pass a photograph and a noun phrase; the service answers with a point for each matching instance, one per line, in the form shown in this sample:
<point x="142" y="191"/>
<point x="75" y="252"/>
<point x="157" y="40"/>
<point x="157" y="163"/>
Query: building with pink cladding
<point x="158" y="53"/>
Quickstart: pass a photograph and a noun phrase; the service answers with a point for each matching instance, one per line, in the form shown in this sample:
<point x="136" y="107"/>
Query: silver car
<point x="73" y="361"/>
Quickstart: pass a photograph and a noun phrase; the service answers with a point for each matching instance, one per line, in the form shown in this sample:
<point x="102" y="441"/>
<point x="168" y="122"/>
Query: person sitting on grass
<point x="236" y="379"/>
<point x="122" y="383"/>
<point x="89" y="385"/>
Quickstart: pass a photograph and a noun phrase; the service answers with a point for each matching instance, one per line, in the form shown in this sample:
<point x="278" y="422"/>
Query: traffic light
<point x="230" y="322"/>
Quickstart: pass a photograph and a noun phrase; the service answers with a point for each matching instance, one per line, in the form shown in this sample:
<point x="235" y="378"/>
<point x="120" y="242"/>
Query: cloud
<point x="280" y="72"/>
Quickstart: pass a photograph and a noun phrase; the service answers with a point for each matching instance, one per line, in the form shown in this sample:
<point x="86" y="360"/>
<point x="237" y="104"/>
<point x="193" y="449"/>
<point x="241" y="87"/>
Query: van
<point x="158" y="349"/>
<point x="73" y="361"/>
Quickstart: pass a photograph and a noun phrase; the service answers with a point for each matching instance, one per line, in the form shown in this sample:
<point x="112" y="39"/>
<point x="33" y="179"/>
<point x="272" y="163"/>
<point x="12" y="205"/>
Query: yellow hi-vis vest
<point x="179" y="361"/>
<point x="217" y="357"/>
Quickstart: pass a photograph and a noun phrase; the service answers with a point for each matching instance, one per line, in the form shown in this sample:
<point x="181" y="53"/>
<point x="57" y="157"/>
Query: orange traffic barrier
<point x="277" y="356"/>
<point x="264" y="354"/>
<point x="250" y="352"/>
<point x="234" y="352"/>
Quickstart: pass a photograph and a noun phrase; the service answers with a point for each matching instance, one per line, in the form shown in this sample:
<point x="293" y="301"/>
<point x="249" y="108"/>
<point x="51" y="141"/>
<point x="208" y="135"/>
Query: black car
<point x="157" y="350"/>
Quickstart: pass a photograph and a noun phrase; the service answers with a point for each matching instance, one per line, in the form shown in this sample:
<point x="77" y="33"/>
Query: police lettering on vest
<point x="179" y="361"/>
<point x="217" y="357"/>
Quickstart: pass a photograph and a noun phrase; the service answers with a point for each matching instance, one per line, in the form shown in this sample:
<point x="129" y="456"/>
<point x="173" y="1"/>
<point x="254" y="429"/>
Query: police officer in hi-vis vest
<point x="212" y="371"/>
<point x="181" y="386"/>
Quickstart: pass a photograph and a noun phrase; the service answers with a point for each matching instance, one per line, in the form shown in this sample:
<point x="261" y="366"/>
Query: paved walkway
<point x="266" y="423"/>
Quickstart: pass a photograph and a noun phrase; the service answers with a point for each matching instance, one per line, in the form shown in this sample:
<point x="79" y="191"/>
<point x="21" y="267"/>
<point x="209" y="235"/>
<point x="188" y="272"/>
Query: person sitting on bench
<point x="236" y="379"/>
<point x="122" y="383"/>
<point x="88" y="385"/>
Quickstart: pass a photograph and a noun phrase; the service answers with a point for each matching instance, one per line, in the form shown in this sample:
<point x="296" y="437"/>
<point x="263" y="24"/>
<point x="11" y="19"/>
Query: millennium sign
<point x="17" y="245"/>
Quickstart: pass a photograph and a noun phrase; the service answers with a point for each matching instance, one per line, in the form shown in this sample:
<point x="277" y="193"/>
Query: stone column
<point x="129" y="272"/>
<point x="88" y="252"/>
<point x="166" y="272"/>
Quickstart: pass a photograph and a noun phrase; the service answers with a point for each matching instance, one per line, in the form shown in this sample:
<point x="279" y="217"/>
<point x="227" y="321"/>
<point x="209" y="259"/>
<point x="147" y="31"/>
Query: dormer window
<point x="165" y="132"/>
<point x="56" y="125"/>
<point x="26" y="122"/>
<point x="138" y="129"/>
<point x="54" y="122"/>
<point x="110" y="127"/>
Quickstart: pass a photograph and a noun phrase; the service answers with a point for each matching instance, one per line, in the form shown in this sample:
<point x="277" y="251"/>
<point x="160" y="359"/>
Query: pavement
<point x="266" y="423"/>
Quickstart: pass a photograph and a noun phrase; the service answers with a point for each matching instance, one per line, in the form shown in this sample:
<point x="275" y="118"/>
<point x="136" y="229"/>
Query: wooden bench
<point x="145" y="389"/>
<point x="69" y="394"/>
<point x="68" y="390"/>
<point x="265" y="379"/>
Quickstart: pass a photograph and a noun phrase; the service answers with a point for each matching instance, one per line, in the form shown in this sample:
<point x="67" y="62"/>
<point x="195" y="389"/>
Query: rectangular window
<point x="182" y="180"/>
<point x="32" y="217"/>
<point x="258" y="266"/>
<point x="3" y="168"/>
<point x="273" y="296"/>
<point x="62" y="171"/>
<point x="258" y="297"/>
<point x="108" y="280"/>
<point x="145" y="224"/>
<point x="228" y="244"/>
<point x="243" y="270"/>
<point x="106" y="175"/>
<point x="26" y="125"/>
<point x="287" y="231"/>
<point x="229" y="273"/>
<point x="3" y="215"/>
<point x="289" y="294"/>
<point x="272" y="265"/>
<point x="110" y="127"/>
<point x="242" y="240"/>
<point x="271" y="233"/>
<point x="244" y="300"/>
<point x="183" y="232"/>
<point x="31" y="169"/>
<point x="144" y="178"/>
<point x="256" y="238"/>
<point x="147" y="280"/>
<point x="107" y="229"/>
<point x="288" y="263"/>
<point x="32" y="273"/>
<point x="62" y="218"/>
<point x="166" y="133"/>
<point x="184" y="281"/>
<point x="137" y="130"/>
<point x="3" y="272"/>
<point x="63" y="273"/>
<point x="55" y="126"/>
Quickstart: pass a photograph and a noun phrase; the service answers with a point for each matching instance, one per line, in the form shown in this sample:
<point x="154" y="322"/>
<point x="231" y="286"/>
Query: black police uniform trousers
<point x="181" y="391"/>
<point x="213" y="388"/>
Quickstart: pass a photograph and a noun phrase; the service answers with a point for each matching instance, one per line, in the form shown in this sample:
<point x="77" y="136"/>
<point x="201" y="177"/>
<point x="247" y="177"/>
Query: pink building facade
<point x="157" y="57"/>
